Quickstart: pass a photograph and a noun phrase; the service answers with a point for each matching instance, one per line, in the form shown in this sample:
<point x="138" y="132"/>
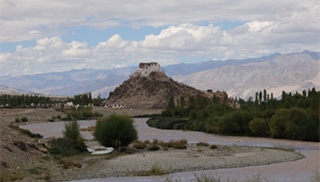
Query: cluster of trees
<point x="86" y="99"/>
<point x="23" y="100"/>
<point x="82" y="113"/>
<point x="294" y="116"/>
<point x="33" y="100"/>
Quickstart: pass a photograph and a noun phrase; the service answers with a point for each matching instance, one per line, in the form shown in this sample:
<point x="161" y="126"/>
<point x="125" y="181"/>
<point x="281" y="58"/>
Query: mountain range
<point x="239" y="78"/>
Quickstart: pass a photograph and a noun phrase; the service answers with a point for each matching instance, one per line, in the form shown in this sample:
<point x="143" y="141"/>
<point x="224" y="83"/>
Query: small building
<point x="117" y="106"/>
<point x="69" y="104"/>
<point x="145" y="69"/>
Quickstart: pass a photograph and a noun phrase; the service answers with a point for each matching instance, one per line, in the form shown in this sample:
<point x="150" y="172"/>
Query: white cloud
<point x="284" y="26"/>
<point x="255" y="26"/>
<point x="52" y="53"/>
<point x="44" y="18"/>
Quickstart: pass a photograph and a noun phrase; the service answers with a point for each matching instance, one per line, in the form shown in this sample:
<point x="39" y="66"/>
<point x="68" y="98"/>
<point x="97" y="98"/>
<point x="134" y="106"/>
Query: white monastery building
<point x="145" y="69"/>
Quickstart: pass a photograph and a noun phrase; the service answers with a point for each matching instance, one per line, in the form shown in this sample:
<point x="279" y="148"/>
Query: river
<point x="297" y="171"/>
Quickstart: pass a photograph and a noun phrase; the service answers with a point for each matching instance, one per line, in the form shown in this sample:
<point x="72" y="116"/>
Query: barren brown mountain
<point x="147" y="89"/>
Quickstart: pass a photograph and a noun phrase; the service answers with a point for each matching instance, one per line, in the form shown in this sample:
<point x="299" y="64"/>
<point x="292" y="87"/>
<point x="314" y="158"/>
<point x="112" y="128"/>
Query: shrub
<point x="203" y="144"/>
<point x="206" y="178"/>
<point x="26" y="132"/>
<point x="180" y="144"/>
<point x="235" y="123"/>
<point x="127" y="150"/>
<point x="212" y="147"/>
<point x="155" y="141"/>
<point x="139" y="145"/>
<point x="167" y="123"/>
<point x="17" y="120"/>
<point x="259" y="127"/>
<point x="51" y="120"/>
<point x="62" y="147"/>
<point x="153" y="147"/>
<point x="96" y="114"/>
<point x="278" y="123"/>
<point x="115" y="131"/>
<point x="24" y="119"/>
<point x="72" y="130"/>
<point x="35" y="171"/>
<point x="68" y="164"/>
<point x="155" y="169"/>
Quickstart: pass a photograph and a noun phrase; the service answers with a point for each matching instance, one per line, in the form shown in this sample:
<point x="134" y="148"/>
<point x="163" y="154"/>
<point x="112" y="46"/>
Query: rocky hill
<point x="153" y="91"/>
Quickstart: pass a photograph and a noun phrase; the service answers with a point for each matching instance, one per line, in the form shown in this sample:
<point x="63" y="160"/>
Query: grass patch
<point x="139" y="145"/>
<point x="206" y="178"/>
<point x="282" y="149"/>
<point x="154" y="147"/>
<point x="213" y="147"/>
<point x="10" y="176"/>
<point x="155" y="170"/>
<point x="114" y="155"/>
<point x="202" y="144"/>
<point x="210" y="178"/>
<point x="68" y="164"/>
<point x="315" y="177"/>
<point x="90" y="128"/>
<point x="35" y="171"/>
<point x="179" y="144"/>
<point x="25" y="132"/>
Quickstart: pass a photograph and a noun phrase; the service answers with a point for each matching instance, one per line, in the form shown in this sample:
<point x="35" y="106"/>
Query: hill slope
<point x="152" y="92"/>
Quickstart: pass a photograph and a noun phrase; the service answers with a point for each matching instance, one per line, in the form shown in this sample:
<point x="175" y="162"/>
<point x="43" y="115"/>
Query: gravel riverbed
<point x="192" y="159"/>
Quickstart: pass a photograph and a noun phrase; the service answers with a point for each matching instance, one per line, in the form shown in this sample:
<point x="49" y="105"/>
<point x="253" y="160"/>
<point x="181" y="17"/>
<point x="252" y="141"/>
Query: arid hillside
<point x="154" y="91"/>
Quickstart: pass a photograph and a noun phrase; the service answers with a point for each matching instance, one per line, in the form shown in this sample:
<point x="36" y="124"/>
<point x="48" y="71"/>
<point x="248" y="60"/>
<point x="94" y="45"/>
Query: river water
<point x="297" y="171"/>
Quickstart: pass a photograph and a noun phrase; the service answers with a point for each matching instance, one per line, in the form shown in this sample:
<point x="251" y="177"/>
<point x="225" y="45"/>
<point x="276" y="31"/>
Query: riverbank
<point x="194" y="158"/>
<point x="33" y="165"/>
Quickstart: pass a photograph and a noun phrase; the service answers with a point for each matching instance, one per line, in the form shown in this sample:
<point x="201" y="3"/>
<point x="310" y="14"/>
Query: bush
<point x="153" y="147"/>
<point x="17" y="120"/>
<point x="278" y="123"/>
<point x="139" y="145"/>
<point x="203" y="144"/>
<point x="72" y="130"/>
<point x="26" y="132"/>
<point x="115" y="131"/>
<point x="167" y="123"/>
<point x="179" y="144"/>
<point x="259" y="127"/>
<point x="63" y="147"/>
<point x="68" y="164"/>
<point x="212" y="147"/>
<point x="24" y="119"/>
<point x="235" y="123"/>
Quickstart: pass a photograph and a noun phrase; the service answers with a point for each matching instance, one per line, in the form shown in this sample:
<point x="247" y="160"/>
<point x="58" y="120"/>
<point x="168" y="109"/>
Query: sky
<point x="39" y="36"/>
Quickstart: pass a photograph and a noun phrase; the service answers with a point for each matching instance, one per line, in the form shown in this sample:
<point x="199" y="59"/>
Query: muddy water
<point x="297" y="171"/>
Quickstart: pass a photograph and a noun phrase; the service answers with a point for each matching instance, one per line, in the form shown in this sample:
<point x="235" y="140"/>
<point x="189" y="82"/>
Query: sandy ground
<point x="192" y="159"/>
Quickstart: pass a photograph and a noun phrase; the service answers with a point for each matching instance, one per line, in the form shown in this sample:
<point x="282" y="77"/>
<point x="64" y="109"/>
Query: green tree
<point x="278" y="123"/>
<point x="259" y="127"/>
<point x="115" y="131"/>
<point x="171" y="106"/>
<point x="191" y="103"/>
<point x="72" y="130"/>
